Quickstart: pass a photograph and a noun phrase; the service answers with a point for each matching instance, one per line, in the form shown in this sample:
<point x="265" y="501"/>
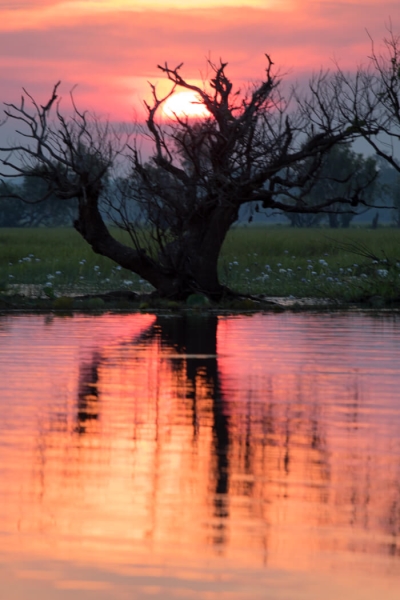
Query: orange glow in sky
<point x="111" y="49"/>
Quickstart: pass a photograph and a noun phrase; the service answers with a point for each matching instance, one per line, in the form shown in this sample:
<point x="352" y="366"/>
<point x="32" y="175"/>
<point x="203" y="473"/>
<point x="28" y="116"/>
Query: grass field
<point x="345" y="265"/>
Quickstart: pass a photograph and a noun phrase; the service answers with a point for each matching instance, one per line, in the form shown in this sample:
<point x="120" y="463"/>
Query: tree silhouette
<point x="256" y="146"/>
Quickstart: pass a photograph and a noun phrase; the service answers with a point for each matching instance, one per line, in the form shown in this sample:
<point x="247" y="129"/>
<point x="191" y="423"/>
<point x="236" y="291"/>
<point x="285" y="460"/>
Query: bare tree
<point x="343" y="174"/>
<point x="371" y="99"/>
<point x="255" y="146"/>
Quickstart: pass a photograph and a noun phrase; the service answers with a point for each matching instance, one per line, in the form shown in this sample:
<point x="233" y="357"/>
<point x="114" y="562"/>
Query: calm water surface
<point x="252" y="457"/>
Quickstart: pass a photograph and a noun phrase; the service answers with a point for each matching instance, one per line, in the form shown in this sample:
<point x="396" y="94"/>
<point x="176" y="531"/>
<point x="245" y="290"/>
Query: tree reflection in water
<point x="267" y="445"/>
<point x="88" y="394"/>
<point x="195" y="338"/>
<point x="146" y="441"/>
<point x="190" y="346"/>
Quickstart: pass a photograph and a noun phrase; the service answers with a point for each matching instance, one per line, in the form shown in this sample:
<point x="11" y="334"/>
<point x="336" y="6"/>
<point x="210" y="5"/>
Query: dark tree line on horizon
<point x="256" y="148"/>
<point x="22" y="205"/>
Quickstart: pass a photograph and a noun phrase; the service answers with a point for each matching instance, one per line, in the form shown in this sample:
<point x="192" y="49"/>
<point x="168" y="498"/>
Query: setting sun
<point x="185" y="104"/>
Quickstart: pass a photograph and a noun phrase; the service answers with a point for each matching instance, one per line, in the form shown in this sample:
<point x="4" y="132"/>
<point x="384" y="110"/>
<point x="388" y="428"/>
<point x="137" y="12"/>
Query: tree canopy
<point x="343" y="174"/>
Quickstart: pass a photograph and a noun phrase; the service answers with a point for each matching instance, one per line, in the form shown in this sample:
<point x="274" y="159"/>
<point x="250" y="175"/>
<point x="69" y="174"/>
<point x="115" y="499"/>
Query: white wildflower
<point x="382" y="272"/>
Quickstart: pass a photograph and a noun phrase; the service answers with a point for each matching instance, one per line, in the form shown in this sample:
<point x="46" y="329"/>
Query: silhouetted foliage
<point x="347" y="176"/>
<point x="29" y="205"/>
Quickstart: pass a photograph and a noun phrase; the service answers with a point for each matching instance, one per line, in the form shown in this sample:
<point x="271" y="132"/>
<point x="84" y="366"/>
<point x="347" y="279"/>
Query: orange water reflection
<point x="194" y="457"/>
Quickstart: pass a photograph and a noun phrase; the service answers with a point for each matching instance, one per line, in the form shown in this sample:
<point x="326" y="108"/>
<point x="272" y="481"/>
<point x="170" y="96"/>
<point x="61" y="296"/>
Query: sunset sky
<point x="111" y="48"/>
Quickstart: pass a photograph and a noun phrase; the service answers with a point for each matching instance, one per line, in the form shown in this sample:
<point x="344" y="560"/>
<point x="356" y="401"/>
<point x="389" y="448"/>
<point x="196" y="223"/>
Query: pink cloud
<point x="112" y="55"/>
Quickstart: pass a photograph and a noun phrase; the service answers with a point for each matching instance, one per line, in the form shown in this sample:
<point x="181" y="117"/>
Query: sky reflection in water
<point x="191" y="457"/>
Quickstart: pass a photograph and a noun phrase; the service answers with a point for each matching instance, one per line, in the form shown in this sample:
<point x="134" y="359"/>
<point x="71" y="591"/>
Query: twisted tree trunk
<point x="189" y="264"/>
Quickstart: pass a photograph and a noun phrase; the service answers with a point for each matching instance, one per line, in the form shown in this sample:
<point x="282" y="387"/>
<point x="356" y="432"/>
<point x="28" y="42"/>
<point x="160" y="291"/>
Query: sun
<point x="185" y="104"/>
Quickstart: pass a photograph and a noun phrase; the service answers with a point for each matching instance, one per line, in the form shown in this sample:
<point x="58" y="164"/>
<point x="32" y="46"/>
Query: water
<point x="225" y="457"/>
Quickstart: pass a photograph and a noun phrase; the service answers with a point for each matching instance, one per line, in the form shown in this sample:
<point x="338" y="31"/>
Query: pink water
<point x="225" y="457"/>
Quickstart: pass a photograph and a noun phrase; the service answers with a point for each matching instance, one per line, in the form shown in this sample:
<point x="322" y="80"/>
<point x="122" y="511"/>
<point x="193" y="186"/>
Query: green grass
<point x="257" y="260"/>
<point x="321" y="263"/>
<point x="60" y="261"/>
